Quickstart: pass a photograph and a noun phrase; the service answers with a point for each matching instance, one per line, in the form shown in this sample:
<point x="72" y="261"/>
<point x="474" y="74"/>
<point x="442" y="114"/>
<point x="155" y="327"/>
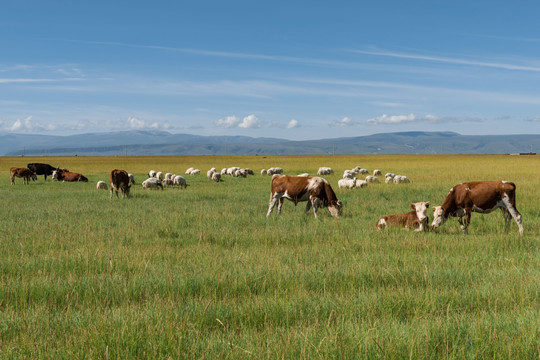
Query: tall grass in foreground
<point x="202" y="273"/>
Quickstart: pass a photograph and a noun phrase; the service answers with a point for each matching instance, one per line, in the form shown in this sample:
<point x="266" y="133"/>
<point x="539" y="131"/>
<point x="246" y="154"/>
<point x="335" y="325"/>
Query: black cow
<point x="41" y="169"/>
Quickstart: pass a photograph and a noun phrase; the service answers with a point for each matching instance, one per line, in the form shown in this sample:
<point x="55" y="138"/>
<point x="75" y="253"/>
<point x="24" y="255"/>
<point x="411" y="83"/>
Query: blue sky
<point x="288" y="69"/>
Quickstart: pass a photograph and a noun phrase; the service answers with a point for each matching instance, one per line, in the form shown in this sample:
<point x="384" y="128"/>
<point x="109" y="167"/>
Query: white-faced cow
<point x="481" y="197"/>
<point x="64" y="175"/>
<point x="24" y="173"/>
<point x="315" y="190"/>
<point x="416" y="219"/>
<point x="41" y="169"/>
<point x="120" y="181"/>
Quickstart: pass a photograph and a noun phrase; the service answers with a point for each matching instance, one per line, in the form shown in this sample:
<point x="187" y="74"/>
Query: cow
<point x="482" y="197"/>
<point x="120" y="181"/>
<point x="24" y="173"/>
<point x="315" y="190"/>
<point x="41" y="169"/>
<point x="131" y="179"/>
<point x="63" y="175"/>
<point x="415" y="219"/>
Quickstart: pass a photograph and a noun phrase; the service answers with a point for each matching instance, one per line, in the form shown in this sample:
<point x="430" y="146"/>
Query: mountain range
<point x="154" y="143"/>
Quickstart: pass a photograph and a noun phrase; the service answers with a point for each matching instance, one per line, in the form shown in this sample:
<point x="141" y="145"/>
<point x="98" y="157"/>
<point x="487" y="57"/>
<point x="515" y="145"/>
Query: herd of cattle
<point x="462" y="200"/>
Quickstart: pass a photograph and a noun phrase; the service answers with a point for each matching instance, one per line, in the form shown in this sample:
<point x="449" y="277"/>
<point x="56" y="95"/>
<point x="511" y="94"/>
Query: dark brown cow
<point x="481" y="197"/>
<point x="24" y="173"/>
<point x="63" y="175"/>
<point x="415" y="219"/>
<point x="120" y="181"/>
<point x="315" y="190"/>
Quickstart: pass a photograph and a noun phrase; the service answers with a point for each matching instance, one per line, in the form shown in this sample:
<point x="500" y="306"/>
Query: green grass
<point x="202" y="273"/>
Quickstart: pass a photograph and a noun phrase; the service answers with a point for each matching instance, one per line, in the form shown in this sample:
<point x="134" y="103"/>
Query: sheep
<point x="188" y="171"/>
<point x="101" y="185"/>
<point x="180" y="181"/>
<point x="195" y="172"/>
<point x="377" y="172"/>
<point x="216" y="177"/>
<point x="347" y="183"/>
<point x="152" y="183"/>
<point x="263" y="171"/>
<point x="372" y="179"/>
<point x="152" y="173"/>
<point x="324" y="170"/>
<point x="361" y="183"/>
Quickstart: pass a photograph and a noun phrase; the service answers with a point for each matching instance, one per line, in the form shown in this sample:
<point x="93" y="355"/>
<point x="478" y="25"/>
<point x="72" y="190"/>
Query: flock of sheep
<point x="350" y="179"/>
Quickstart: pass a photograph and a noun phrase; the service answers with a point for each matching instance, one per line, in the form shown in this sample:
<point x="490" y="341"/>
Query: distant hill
<point x="153" y="143"/>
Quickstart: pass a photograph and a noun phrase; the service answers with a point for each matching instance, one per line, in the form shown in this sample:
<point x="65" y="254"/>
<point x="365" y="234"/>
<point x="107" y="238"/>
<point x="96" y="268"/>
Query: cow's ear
<point x="413" y="207"/>
<point x="427" y="204"/>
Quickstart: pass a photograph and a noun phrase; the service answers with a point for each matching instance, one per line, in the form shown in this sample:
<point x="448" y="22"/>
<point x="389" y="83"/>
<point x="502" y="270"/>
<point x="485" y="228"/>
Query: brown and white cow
<point x="24" y="173"/>
<point x="416" y="219"/>
<point x="482" y="197"/>
<point x="120" y="181"/>
<point x="315" y="190"/>
<point x="63" y="175"/>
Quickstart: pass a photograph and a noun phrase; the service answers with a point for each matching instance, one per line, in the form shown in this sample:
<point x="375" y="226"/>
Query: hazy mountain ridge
<point x="154" y="143"/>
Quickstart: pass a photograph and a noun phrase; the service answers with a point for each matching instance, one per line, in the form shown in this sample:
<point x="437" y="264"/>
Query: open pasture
<point x="202" y="273"/>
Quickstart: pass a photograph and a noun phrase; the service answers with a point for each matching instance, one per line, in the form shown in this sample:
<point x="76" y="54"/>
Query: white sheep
<point x="101" y="185"/>
<point x="180" y="181"/>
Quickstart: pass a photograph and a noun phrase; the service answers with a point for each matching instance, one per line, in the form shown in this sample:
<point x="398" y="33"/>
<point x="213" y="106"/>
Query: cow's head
<point x="336" y="208"/>
<point x="439" y="217"/>
<point x="56" y="174"/>
<point x="421" y="209"/>
<point x="34" y="176"/>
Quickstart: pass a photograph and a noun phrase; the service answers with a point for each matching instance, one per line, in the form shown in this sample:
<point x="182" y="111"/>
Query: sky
<point x="288" y="69"/>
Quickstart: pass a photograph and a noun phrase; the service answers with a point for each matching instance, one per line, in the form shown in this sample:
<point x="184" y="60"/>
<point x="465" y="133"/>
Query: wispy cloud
<point x="449" y="60"/>
<point x="292" y="124"/>
<point x="412" y="118"/>
<point x="344" y="122"/>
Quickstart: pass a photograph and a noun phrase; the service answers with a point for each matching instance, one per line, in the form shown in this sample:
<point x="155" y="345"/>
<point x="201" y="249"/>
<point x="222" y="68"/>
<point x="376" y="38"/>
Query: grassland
<point x="202" y="273"/>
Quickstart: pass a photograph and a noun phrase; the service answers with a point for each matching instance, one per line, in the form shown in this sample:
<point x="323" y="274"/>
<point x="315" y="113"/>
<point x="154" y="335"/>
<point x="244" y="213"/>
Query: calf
<point x="24" y="173"/>
<point x="415" y="219"/>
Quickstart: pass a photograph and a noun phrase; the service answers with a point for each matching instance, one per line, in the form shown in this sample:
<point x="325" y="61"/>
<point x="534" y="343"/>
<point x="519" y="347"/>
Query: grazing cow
<point x="24" y="173"/>
<point x="101" y="185"/>
<point x="120" y="181"/>
<point x="152" y="183"/>
<point x="415" y="219"/>
<point x="482" y="197"/>
<point x="315" y="190"/>
<point x="41" y="169"/>
<point x="63" y="175"/>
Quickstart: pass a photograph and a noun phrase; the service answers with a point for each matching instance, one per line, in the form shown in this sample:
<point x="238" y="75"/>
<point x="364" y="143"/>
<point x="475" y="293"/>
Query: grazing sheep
<point x="102" y="185"/>
<point x="372" y="179"/>
<point x="152" y="173"/>
<point x="263" y="171"/>
<point x="361" y="183"/>
<point x="195" y="172"/>
<point x="152" y="183"/>
<point x="180" y="181"/>
<point x="347" y="183"/>
<point x="216" y="177"/>
<point x="324" y="170"/>
<point x="159" y="175"/>
<point x="377" y="172"/>
<point x="188" y="171"/>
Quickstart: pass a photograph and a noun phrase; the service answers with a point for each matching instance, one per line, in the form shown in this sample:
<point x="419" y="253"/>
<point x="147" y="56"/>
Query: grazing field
<point x="202" y="273"/>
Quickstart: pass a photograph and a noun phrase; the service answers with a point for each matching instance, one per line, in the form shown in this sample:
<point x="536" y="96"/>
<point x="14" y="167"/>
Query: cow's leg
<point x="280" y="204"/>
<point x="273" y="199"/>
<point x="513" y="212"/>
<point x="464" y="223"/>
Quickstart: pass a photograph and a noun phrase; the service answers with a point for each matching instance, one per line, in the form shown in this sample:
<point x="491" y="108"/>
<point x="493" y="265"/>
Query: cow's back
<point x="293" y="185"/>
<point x="119" y="178"/>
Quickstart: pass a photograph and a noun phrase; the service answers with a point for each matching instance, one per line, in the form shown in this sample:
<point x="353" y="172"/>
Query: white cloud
<point x="395" y="119"/>
<point x="135" y="123"/>
<point x="250" y="122"/>
<point x="412" y="118"/>
<point x="27" y="125"/>
<point x="292" y="124"/>
<point x="344" y="122"/>
<point x="228" y="122"/>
